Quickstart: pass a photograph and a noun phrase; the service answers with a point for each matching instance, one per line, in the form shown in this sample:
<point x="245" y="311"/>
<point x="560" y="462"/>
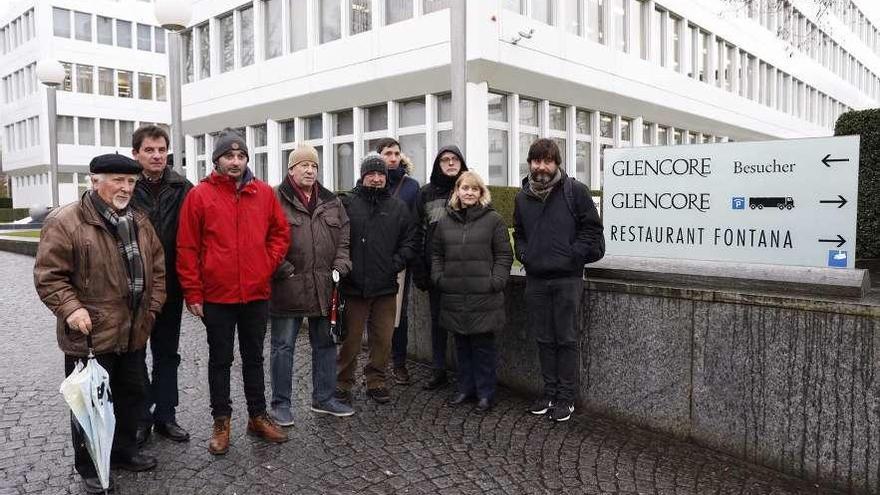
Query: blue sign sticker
<point x="837" y="258"/>
<point x="738" y="203"/>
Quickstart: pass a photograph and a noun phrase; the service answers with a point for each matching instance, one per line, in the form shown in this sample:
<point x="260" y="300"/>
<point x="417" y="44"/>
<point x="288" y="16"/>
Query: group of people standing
<point x="119" y="265"/>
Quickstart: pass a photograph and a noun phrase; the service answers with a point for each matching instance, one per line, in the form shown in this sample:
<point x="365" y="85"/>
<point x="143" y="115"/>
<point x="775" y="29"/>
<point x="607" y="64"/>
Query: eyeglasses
<point x="449" y="159"/>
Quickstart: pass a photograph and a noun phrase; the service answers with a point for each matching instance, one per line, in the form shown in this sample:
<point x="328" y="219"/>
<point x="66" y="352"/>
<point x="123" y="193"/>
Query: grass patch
<point x="23" y="233"/>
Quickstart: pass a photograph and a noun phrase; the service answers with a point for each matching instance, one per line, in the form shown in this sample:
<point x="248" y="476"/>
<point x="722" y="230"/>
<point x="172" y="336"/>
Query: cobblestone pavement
<point x="415" y="444"/>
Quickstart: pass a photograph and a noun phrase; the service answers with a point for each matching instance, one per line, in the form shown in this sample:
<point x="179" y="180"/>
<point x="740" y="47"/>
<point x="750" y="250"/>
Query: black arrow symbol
<point x="828" y="160"/>
<point x="842" y="201"/>
<point x="840" y="240"/>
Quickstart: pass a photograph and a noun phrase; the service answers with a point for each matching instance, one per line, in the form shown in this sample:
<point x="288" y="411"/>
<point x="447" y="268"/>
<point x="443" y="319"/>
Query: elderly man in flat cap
<point x="101" y="269"/>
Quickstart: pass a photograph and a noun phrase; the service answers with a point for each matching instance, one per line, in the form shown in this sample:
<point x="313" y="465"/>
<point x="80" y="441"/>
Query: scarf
<point x="123" y="228"/>
<point x="542" y="190"/>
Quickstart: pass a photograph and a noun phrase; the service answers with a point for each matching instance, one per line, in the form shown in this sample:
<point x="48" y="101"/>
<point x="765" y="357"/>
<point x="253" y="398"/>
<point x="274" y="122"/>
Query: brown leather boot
<point x="263" y="426"/>
<point x="219" y="443"/>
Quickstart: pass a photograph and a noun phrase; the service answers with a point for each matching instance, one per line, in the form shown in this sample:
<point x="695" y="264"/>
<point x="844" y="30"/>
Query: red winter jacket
<point x="229" y="243"/>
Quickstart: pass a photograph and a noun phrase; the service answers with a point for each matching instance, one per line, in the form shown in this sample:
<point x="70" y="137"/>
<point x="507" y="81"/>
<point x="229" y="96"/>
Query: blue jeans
<point x="284" y="332"/>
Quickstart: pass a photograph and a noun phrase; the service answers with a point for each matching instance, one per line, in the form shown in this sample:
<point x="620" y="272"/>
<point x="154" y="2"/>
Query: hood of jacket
<point x="438" y="178"/>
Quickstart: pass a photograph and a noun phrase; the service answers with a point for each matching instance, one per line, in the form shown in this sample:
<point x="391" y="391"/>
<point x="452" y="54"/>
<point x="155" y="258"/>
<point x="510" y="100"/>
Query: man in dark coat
<point x="557" y="231"/>
<point x="100" y="269"/>
<point x="405" y="188"/>
<point x="302" y="285"/>
<point x="449" y="164"/>
<point x="159" y="193"/>
<point x="382" y="231"/>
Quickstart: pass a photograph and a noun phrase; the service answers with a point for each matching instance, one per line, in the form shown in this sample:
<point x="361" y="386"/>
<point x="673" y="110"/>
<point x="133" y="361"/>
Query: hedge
<point x="8" y="215"/>
<point x="5" y="203"/>
<point x="503" y="198"/>
<point x="866" y="123"/>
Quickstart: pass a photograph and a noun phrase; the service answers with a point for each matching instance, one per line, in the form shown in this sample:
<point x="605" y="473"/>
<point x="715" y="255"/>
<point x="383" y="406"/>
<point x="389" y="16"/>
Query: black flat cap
<point x="114" y="163"/>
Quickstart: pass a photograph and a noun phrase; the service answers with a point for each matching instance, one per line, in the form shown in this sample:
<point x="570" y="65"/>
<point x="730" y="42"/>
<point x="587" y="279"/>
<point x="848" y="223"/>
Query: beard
<point x="121" y="203"/>
<point x="541" y="177"/>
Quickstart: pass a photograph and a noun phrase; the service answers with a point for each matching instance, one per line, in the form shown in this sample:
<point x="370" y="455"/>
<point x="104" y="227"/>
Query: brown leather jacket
<point x="319" y="243"/>
<point x="78" y="265"/>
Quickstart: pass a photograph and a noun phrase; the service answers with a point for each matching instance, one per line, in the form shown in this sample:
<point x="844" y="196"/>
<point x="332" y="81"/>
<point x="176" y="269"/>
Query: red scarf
<point x="310" y="200"/>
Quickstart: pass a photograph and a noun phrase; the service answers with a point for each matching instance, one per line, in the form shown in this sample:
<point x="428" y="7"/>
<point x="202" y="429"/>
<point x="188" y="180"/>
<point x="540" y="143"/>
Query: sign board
<point x="789" y="202"/>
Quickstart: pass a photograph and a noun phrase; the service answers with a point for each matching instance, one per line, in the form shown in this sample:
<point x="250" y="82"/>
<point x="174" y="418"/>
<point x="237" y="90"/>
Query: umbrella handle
<point x="90" y="345"/>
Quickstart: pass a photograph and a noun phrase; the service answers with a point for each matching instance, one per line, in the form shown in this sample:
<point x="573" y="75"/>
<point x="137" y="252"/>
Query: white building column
<point x="192" y="173"/>
<point x="478" y="120"/>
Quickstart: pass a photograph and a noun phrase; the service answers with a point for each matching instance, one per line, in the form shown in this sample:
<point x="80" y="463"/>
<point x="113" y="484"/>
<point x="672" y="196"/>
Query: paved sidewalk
<point x="415" y="444"/>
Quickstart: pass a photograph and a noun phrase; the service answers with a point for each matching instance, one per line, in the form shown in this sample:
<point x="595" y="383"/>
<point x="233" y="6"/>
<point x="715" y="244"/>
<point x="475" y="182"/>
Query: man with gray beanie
<point x="382" y="231"/>
<point x="232" y="237"/>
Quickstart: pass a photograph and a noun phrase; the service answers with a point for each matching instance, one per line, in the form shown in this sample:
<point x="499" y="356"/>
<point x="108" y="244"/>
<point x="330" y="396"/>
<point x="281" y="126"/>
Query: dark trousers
<point x="400" y="338"/>
<point x="378" y="314"/>
<point x="476" y="365"/>
<point x="439" y="335"/>
<point x="221" y="321"/>
<point x="127" y="389"/>
<point x="553" y="307"/>
<point x="164" y="343"/>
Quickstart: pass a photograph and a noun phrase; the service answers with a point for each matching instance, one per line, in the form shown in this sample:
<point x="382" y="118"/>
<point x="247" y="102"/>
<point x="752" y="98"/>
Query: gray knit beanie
<point x="373" y="163"/>
<point x="229" y="139"/>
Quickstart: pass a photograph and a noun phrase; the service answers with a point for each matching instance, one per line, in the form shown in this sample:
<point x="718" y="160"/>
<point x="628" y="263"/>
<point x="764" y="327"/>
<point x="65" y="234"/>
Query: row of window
<point x="107" y="31"/>
<point x="23" y="134"/>
<point x="671" y="41"/>
<point x="20" y="83"/>
<point x="286" y="29"/>
<point x="17" y="32"/>
<point x="110" y="132"/>
<point x="791" y="25"/>
<point x="850" y="15"/>
<point x="80" y="78"/>
<point x="423" y="125"/>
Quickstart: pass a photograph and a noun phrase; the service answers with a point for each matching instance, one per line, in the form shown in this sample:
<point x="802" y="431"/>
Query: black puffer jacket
<point x="430" y="208"/>
<point x="381" y="241"/>
<point x="164" y="210"/>
<point x="471" y="259"/>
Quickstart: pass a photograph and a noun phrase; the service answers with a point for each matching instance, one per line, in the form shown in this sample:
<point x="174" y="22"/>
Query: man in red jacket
<point x="231" y="238"/>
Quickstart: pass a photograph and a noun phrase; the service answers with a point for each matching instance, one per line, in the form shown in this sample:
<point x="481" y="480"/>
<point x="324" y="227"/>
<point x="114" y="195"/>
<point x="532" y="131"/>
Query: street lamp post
<point x="51" y="74"/>
<point x="458" y="71"/>
<point x="174" y="15"/>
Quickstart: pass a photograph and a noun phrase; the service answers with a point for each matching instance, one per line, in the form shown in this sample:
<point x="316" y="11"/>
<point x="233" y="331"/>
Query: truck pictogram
<point x="783" y="203"/>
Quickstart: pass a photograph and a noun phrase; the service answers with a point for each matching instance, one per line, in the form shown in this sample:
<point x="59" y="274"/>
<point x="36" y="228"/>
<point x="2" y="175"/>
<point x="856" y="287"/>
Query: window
<point x="676" y="44"/>
<point x="61" y="25"/>
<point x="411" y="113"/>
<point x="542" y="11"/>
<point x="246" y="42"/>
<point x="376" y="118"/>
<point x="86" y="128"/>
<point x="84" y="79"/>
<point x="160" y="88"/>
<point x="702" y="55"/>
<point x="571" y="16"/>
<point x="227" y="38"/>
<point x="261" y="155"/>
<point x="123" y="33"/>
<point x="621" y="24"/>
<point x="145" y="37"/>
<point x="528" y="113"/>
<point x="398" y="10"/>
<point x="343" y="149"/>
<point x="662" y="135"/>
<point x="606" y="126"/>
<point x="644" y="22"/>
<point x="361" y="16"/>
<point x="659" y="37"/>
<point x="583" y="146"/>
<point x="204" y="35"/>
<point x="444" y="121"/>
<point x="187" y="42"/>
<point x="595" y="20"/>
<point x="330" y="20"/>
<point x="558" y="130"/>
<point x="429" y="6"/>
<point x="126" y="129"/>
<point x="272" y="27"/>
<point x="145" y="86"/>
<point x="123" y="84"/>
<point x="313" y="127"/>
<point x="299" y="23"/>
<point x="105" y="30"/>
<point x="108" y="132"/>
<point x="498" y="139"/>
<point x="514" y="5"/>
<point x="67" y="85"/>
<point x="159" y="34"/>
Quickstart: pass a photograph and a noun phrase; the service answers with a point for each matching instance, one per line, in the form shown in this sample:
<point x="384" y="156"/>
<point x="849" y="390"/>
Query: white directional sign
<point x="787" y="202"/>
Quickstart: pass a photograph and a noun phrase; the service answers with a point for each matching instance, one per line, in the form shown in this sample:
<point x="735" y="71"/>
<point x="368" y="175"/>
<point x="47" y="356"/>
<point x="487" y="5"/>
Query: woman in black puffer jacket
<point x="470" y="263"/>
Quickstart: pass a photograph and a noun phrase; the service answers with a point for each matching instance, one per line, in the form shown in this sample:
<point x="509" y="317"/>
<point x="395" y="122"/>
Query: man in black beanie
<point x="382" y="244"/>
<point x="100" y="269"/>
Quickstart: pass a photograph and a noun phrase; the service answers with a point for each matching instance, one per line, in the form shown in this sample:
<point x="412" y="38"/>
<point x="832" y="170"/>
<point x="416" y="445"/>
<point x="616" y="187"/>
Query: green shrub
<point x="504" y="198"/>
<point x="866" y="123"/>
<point x="5" y="202"/>
<point x="8" y="215"/>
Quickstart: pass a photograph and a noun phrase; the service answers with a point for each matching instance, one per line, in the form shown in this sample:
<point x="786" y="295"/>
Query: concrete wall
<point x="790" y="383"/>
